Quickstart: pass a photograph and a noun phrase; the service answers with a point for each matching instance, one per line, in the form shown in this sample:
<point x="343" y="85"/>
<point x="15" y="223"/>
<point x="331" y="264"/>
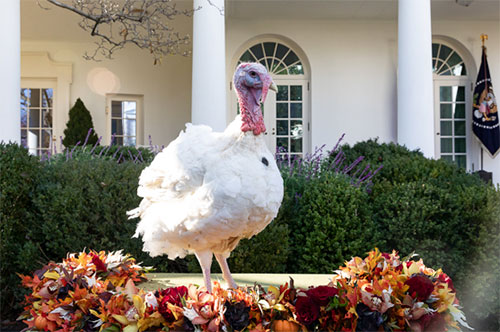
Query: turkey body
<point x="205" y="191"/>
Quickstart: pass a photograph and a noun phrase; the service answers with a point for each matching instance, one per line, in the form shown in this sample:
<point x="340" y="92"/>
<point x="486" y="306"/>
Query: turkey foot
<point x="205" y="259"/>
<point x="226" y="274"/>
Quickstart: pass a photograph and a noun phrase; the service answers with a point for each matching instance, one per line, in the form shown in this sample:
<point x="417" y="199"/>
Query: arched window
<point x="285" y="112"/>
<point x="447" y="62"/>
<point x="452" y="101"/>
<point x="276" y="57"/>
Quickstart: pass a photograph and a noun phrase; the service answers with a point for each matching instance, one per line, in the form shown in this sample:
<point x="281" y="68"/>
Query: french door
<point x="286" y="119"/>
<point x="452" y="99"/>
<point x="37" y="115"/>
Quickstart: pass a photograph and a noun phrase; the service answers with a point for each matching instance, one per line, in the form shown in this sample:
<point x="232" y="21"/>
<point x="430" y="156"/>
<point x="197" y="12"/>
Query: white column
<point x="10" y="71"/>
<point x="208" y="99"/>
<point x="415" y="90"/>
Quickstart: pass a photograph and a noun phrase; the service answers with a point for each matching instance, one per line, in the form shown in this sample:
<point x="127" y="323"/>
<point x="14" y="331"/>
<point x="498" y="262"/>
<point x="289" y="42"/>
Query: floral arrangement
<point x="97" y="292"/>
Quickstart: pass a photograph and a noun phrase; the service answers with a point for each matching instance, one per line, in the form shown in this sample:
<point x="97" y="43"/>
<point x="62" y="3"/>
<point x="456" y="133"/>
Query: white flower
<point x="150" y="300"/>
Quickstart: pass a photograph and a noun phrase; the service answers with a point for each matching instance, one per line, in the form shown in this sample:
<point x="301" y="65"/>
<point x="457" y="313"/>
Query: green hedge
<point x="79" y="200"/>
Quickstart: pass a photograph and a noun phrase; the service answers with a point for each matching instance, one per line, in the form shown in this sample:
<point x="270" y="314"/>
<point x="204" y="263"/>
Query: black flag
<point x="485" y="110"/>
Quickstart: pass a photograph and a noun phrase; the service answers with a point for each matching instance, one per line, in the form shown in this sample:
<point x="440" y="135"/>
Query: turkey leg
<point x="205" y="260"/>
<point x="226" y="274"/>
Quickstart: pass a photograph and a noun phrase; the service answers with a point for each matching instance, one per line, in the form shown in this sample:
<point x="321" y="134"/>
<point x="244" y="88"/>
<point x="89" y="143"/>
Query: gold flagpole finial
<point x="483" y="38"/>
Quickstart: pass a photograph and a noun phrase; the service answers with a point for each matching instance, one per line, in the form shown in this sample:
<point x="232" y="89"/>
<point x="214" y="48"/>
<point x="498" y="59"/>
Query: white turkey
<point x="207" y="190"/>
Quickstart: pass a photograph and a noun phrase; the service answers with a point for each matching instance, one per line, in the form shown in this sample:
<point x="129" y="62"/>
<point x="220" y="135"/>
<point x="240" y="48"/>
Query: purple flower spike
<point x="87" y="138"/>
<point x="95" y="145"/>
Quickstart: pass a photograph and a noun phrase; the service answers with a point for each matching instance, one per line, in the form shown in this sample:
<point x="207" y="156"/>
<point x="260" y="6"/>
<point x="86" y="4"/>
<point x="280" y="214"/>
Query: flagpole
<point x="483" y="38"/>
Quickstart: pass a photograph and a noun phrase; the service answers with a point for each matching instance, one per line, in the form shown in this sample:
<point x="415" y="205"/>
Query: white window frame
<point x="139" y="99"/>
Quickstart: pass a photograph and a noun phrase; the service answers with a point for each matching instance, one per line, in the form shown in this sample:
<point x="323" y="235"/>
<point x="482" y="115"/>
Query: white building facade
<point x="401" y="71"/>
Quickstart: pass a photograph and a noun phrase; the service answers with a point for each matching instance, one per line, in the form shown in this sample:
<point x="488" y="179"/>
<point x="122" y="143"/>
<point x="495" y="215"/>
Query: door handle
<point x="274" y="131"/>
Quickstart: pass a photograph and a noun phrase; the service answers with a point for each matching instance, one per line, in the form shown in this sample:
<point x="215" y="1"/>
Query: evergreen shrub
<point x="78" y="126"/>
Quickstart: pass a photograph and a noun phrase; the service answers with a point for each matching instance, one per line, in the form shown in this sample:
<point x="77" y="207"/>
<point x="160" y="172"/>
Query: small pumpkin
<point x="285" y="326"/>
<point x="40" y="323"/>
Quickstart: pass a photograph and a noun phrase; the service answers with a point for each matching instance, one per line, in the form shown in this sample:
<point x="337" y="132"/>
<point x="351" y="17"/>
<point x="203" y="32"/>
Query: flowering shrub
<point x="96" y="292"/>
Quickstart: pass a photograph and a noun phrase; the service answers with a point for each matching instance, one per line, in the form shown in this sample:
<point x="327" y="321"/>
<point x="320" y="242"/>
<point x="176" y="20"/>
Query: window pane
<point x="47" y="95"/>
<point x="459" y="144"/>
<point x="269" y="48"/>
<point x="444" y="52"/>
<point x="435" y="48"/>
<point x="46" y="135"/>
<point x="282" y="127"/>
<point x="459" y="111"/>
<point x="461" y="161"/>
<point x="129" y="109"/>
<point x="247" y="57"/>
<point x="257" y="51"/>
<point x="281" y="51"/>
<point x="445" y="111"/>
<point x="296" y="110"/>
<point x="269" y="62"/>
<point x="295" y="92"/>
<point x="118" y="141"/>
<point x="33" y="138"/>
<point x="446" y="145"/>
<point x="116" y="126"/>
<point x="460" y="128"/>
<point x="263" y="62"/>
<point x="445" y="71"/>
<point x="278" y="67"/>
<point x="446" y="128"/>
<point x="447" y="158"/>
<point x="291" y="58"/>
<point x="454" y="59"/>
<point x="129" y="141"/>
<point x="25" y="97"/>
<point x="34" y="117"/>
<point x="296" y="145"/>
<point x="459" y="70"/>
<point x="24" y="137"/>
<point x="282" y="92"/>
<point x="47" y="118"/>
<point x="24" y="116"/>
<point x="116" y="109"/>
<point x="296" y="130"/>
<point x="129" y="129"/>
<point x="445" y="93"/>
<point x="460" y="94"/>
<point x="296" y="69"/>
<point x="35" y="98"/>
<point x="282" y="110"/>
<point x="282" y="143"/>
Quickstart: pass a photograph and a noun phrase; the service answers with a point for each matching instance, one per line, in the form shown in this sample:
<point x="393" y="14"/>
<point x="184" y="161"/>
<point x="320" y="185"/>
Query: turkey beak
<point x="273" y="87"/>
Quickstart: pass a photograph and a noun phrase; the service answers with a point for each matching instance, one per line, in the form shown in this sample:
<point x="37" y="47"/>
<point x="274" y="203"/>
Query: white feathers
<point x="206" y="191"/>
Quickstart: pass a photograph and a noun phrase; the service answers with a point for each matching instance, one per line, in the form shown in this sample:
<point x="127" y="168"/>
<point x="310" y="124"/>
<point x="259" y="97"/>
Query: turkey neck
<point x="251" y="114"/>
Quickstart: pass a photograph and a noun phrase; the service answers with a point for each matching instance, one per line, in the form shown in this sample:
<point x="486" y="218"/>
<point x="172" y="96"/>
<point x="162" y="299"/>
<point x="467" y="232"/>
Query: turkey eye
<point x="253" y="74"/>
<point x="264" y="161"/>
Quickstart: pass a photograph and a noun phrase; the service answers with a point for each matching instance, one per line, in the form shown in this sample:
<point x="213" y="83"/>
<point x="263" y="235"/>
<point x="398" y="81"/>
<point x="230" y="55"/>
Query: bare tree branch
<point x="116" y="23"/>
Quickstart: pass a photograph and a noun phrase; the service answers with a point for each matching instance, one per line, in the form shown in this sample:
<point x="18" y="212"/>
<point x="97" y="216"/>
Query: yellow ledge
<point x="165" y="280"/>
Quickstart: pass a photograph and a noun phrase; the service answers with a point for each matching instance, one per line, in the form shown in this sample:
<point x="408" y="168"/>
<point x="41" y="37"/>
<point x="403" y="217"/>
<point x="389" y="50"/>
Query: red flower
<point x="443" y="277"/>
<point x="421" y="287"/>
<point x="307" y="310"/>
<point x="322" y="294"/>
<point x="99" y="264"/>
<point x="173" y="296"/>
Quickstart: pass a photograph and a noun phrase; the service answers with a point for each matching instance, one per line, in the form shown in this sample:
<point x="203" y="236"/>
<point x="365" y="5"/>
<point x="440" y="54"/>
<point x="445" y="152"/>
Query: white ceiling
<point x="357" y="9"/>
<point x="60" y="24"/>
